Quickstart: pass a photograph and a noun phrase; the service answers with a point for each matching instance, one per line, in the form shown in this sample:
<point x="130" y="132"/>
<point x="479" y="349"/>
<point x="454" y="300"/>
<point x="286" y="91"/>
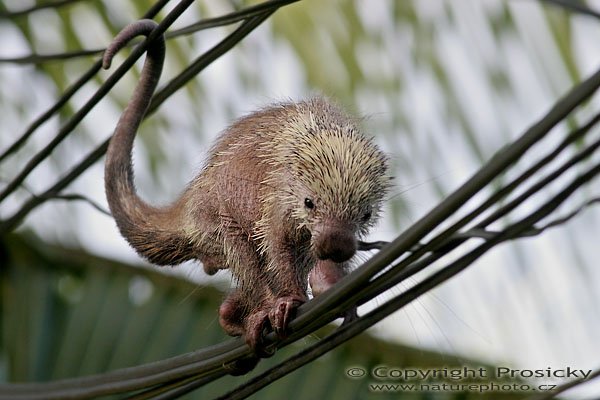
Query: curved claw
<point x="256" y="325"/>
<point x="282" y="313"/>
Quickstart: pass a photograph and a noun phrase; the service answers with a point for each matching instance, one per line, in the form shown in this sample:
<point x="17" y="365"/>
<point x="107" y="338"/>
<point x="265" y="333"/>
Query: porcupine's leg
<point x="245" y="311"/>
<point x="236" y="320"/>
<point x="287" y="283"/>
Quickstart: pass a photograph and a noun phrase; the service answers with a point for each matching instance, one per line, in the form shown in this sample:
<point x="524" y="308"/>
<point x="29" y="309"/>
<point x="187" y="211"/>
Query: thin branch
<point x="37" y="7"/>
<point x="248" y="12"/>
<point x="35" y="58"/>
<point x="72" y="197"/>
<point x="80" y="197"/>
<point x="64" y="98"/>
<point x="485" y="234"/>
<point x="559" y="221"/>
<point x="96" y="97"/>
<point x="71" y="90"/>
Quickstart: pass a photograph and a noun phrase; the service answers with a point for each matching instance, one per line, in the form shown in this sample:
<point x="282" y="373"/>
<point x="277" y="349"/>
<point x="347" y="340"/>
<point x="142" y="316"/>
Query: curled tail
<point x="155" y="233"/>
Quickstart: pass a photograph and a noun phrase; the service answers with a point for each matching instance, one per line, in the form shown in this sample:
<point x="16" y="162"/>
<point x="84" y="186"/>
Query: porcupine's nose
<point x="336" y="244"/>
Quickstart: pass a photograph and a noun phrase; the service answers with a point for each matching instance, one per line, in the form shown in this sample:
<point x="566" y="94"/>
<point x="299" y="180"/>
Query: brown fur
<point x="247" y="209"/>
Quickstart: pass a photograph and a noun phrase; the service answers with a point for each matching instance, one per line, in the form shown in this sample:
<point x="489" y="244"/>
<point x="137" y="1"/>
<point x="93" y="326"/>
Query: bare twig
<point x="96" y="97"/>
<point x="68" y="94"/>
<point x="64" y="98"/>
<point x="72" y="197"/>
<point x="35" y="58"/>
<point x="80" y="197"/>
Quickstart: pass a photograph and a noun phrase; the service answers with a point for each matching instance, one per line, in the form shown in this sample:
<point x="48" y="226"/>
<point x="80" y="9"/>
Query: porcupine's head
<point x="337" y="179"/>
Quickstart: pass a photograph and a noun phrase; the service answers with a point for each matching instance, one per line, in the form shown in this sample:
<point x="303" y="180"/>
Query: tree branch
<point x="96" y="97"/>
<point x="71" y="90"/>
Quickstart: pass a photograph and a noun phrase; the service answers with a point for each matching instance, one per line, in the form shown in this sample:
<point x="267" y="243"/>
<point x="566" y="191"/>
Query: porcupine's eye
<point x="308" y="203"/>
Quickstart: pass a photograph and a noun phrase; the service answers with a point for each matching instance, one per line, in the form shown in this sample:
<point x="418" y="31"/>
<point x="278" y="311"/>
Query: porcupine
<point x="286" y="192"/>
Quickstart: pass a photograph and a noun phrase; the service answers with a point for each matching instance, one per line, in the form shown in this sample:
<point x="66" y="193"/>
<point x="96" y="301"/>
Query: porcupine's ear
<point x="155" y="233"/>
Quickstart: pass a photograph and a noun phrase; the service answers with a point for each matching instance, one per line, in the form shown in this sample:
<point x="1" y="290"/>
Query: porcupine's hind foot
<point x="231" y="315"/>
<point x="233" y="319"/>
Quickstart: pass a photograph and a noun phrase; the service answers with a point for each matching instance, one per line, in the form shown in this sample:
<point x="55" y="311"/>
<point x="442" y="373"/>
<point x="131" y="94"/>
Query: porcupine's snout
<point x="336" y="242"/>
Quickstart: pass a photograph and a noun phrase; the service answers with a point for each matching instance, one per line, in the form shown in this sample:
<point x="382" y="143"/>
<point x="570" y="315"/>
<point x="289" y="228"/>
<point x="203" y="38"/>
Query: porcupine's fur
<point x="284" y="189"/>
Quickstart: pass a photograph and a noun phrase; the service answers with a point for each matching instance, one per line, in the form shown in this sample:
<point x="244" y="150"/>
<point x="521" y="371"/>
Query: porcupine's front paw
<point x="283" y="310"/>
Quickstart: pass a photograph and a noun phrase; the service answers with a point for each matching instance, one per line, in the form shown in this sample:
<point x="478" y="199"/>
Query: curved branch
<point x="96" y="97"/>
<point x="71" y="90"/>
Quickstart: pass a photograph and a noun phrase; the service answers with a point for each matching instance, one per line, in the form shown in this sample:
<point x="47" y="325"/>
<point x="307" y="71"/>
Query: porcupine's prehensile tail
<point x="153" y="232"/>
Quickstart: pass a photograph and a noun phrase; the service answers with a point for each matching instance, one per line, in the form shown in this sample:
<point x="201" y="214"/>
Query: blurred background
<point x="443" y="86"/>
